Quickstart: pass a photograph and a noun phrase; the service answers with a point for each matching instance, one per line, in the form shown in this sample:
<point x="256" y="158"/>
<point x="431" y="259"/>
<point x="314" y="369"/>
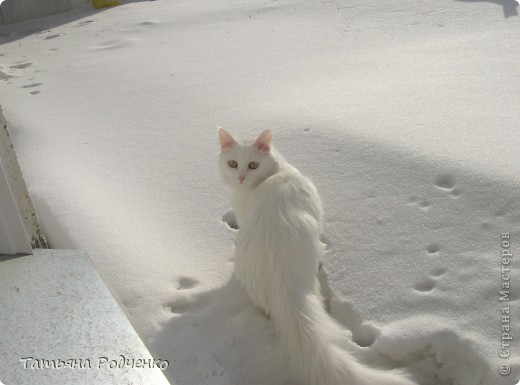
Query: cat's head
<point x="246" y="163"/>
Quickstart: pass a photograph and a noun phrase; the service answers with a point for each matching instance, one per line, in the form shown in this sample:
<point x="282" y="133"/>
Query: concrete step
<point x="60" y="325"/>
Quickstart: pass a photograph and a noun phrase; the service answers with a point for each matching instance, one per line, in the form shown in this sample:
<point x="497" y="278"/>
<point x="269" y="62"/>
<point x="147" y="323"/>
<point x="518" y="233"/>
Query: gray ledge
<point x="60" y="323"/>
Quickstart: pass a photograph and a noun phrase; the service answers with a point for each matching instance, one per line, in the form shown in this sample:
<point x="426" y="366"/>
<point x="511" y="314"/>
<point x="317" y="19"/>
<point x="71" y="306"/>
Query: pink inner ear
<point x="226" y="140"/>
<point x="228" y="144"/>
<point x="262" y="147"/>
<point x="263" y="143"/>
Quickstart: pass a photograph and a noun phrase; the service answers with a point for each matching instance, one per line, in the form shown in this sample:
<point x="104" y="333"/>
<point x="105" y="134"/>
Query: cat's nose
<point x="241" y="178"/>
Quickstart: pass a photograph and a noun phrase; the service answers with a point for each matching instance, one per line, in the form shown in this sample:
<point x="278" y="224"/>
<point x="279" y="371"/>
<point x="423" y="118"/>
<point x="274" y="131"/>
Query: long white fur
<point x="278" y="249"/>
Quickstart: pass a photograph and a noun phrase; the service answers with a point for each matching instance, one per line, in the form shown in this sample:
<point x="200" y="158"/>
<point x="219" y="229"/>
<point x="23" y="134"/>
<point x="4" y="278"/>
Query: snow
<point x="404" y="114"/>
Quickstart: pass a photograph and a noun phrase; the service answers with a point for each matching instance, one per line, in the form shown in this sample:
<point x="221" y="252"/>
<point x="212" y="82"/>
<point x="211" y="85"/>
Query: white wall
<point x="13" y="238"/>
<point x="16" y="190"/>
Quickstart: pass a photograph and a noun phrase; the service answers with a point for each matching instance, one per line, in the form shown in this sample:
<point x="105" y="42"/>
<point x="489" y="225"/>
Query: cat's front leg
<point x="324" y="290"/>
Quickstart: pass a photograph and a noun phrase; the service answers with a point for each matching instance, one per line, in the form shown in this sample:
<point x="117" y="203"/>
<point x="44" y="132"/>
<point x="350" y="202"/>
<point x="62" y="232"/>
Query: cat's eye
<point x="253" y="165"/>
<point x="232" y="164"/>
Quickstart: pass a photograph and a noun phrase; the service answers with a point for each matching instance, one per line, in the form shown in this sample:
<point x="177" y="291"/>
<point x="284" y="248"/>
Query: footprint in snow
<point x="182" y="303"/>
<point x="230" y="220"/>
<point x="425" y="286"/>
<point x="186" y="283"/>
<point x="32" y="85"/>
<point x="211" y="371"/>
<point x="85" y="22"/>
<point x="5" y="76"/>
<point x="422" y="203"/>
<point x="363" y="334"/>
<point x="444" y="358"/>
<point x="113" y="44"/>
<point x="429" y="284"/>
<point x="21" y="66"/>
<point x="433" y="248"/>
<point x="52" y="36"/>
<point x="148" y="23"/>
<point x="447" y="183"/>
<point x="179" y="305"/>
<point x="142" y="26"/>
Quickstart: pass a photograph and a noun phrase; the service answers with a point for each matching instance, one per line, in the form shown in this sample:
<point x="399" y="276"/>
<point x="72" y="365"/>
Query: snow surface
<point x="405" y="115"/>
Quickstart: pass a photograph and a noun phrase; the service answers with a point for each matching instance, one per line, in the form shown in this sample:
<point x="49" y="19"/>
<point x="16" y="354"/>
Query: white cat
<point x="278" y="250"/>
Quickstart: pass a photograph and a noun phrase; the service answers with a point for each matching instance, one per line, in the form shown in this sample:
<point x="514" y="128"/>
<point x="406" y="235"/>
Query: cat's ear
<point x="226" y="140"/>
<point x="263" y="142"/>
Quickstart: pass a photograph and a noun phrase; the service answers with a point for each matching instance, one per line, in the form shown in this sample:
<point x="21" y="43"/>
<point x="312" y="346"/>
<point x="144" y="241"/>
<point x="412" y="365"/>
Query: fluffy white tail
<point x="311" y="339"/>
<point x="276" y="259"/>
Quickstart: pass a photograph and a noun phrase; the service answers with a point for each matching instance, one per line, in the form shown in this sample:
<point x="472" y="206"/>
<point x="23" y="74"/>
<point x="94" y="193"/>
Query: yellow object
<point x="104" y="3"/>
